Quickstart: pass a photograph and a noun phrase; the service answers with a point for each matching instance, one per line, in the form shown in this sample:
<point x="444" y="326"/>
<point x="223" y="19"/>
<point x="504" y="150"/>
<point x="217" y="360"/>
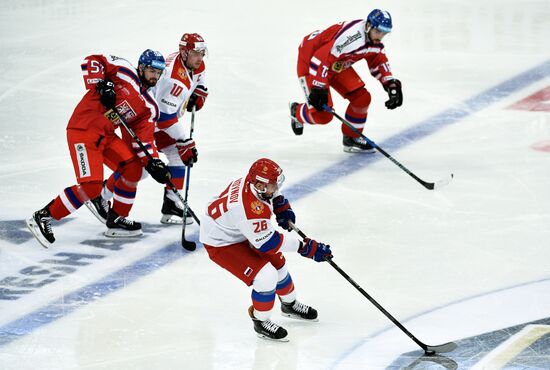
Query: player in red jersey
<point x="181" y="87"/>
<point x="238" y="235"/>
<point x="112" y="83"/>
<point x="326" y="58"/>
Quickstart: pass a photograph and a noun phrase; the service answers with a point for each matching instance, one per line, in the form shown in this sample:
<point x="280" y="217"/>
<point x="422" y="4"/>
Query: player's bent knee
<point x="321" y="118"/>
<point x="132" y="170"/>
<point x="360" y="98"/>
<point x="266" y="279"/>
<point x="92" y="189"/>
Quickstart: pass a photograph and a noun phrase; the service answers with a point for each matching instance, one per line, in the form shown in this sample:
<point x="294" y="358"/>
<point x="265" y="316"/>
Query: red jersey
<point x="134" y="103"/>
<point x="322" y="54"/>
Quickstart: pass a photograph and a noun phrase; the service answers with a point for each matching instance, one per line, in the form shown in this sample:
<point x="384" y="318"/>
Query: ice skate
<point x="298" y="310"/>
<point x="39" y="225"/>
<point x="121" y="227"/>
<point x="172" y="214"/>
<point x="268" y="329"/>
<point x="99" y="207"/>
<point x="356" y="145"/>
<point x="297" y="126"/>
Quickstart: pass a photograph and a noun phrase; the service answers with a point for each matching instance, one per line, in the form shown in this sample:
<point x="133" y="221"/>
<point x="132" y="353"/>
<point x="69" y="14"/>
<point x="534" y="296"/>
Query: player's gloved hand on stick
<point x="315" y="250"/>
<point x="393" y="88"/>
<point x="318" y="97"/>
<point x="198" y="98"/>
<point x="283" y="213"/>
<point x="107" y="94"/>
<point x="187" y="151"/>
<point x="158" y="170"/>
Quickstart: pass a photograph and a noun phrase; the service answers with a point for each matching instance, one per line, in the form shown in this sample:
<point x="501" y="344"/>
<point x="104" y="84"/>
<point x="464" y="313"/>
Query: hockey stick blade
<point x="442" y="348"/>
<point x="188" y="245"/>
<point x="427" y="185"/>
<point x="443" y="182"/>
<point x="438" y="184"/>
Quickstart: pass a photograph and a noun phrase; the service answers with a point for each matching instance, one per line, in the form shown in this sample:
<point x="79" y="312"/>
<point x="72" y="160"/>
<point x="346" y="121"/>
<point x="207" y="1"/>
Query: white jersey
<point x="238" y="214"/>
<point x="172" y="92"/>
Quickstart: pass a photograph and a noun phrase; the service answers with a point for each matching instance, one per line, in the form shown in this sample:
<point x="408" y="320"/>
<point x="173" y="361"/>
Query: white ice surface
<point x="412" y="249"/>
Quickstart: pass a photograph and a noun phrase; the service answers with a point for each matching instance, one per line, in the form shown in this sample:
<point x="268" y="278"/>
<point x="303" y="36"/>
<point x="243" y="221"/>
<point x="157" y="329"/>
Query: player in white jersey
<point x="182" y="87"/>
<point x="238" y="235"/>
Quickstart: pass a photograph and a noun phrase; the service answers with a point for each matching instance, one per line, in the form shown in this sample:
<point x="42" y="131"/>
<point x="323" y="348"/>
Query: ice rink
<point x="468" y="263"/>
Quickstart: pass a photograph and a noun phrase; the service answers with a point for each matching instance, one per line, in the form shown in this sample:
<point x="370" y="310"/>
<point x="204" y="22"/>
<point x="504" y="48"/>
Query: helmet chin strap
<point x="261" y="193"/>
<point x="141" y="75"/>
<point x="367" y="30"/>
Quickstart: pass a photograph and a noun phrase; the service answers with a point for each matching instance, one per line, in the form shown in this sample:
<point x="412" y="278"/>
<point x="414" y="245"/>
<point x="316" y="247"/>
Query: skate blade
<point x="351" y="149"/>
<point x="94" y="212"/>
<point x="35" y="231"/>
<point x="297" y="317"/>
<point x="297" y="126"/>
<point x="175" y="220"/>
<point x="118" y="233"/>
<point x="284" y="340"/>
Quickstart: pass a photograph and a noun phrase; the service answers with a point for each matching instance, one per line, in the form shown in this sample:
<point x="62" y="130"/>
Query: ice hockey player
<point x="112" y="84"/>
<point x="238" y="235"/>
<point x="181" y="87"/>
<point x="326" y="58"/>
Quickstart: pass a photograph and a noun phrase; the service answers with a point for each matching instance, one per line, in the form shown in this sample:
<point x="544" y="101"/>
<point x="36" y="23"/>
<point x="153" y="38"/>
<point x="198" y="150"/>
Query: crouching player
<point x="238" y="235"/>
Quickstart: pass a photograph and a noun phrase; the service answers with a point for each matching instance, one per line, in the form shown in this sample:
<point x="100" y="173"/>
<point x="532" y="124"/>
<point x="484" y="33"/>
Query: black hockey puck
<point x="429" y="353"/>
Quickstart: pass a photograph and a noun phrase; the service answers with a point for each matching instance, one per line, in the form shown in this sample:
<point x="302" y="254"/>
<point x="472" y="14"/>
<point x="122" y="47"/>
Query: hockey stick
<point x="113" y="116"/>
<point x="428" y="350"/>
<point x="186" y="244"/>
<point x="427" y="185"/>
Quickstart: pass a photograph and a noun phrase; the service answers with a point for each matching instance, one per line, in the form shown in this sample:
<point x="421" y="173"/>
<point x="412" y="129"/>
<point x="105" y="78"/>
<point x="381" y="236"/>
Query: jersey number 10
<point x="176" y="90"/>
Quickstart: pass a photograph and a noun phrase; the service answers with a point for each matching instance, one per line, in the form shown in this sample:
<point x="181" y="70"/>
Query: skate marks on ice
<point x="83" y="270"/>
<point x="25" y="276"/>
<point x="423" y="129"/>
<point x="507" y="328"/>
<point x="524" y="346"/>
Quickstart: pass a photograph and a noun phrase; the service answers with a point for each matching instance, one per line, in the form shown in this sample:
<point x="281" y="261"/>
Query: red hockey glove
<point x="198" y="98"/>
<point x="187" y="151"/>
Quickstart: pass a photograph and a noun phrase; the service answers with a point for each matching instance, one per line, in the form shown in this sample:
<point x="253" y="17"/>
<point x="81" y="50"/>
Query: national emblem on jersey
<point x="338" y="66"/>
<point x="126" y="111"/>
<point x="182" y="74"/>
<point x="257" y="207"/>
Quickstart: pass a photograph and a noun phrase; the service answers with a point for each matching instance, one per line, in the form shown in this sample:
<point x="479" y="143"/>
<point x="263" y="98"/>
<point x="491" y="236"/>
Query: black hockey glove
<point x="158" y="170"/>
<point x="318" y="97"/>
<point x="393" y="88"/>
<point x="107" y="94"/>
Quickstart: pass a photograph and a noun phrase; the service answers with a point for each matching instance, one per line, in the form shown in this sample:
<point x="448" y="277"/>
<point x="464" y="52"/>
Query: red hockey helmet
<point x="193" y="41"/>
<point x="266" y="171"/>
